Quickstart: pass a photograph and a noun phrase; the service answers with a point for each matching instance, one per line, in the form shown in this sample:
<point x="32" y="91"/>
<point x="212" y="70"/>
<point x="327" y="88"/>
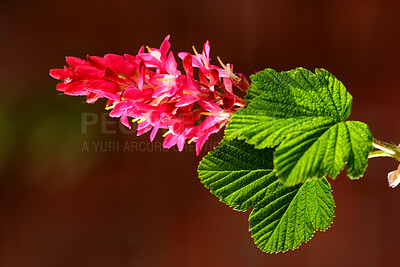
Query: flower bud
<point x="394" y="177"/>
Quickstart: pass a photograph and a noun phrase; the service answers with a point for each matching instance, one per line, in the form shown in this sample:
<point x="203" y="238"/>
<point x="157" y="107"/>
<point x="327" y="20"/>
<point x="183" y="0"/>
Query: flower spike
<point x="149" y="89"/>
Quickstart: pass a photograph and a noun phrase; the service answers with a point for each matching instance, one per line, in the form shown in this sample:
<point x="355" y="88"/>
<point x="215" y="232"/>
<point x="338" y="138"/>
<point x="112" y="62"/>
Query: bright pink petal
<point x="170" y="140"/>
<point x="132" y="60"/>
<point x="105" y="88"/>
<point x="190" y="86"/>
<point x="143" y="107"/>
<point x="118" y="64"/>
<point x="196" y="62"/>
<point x="187" y="100"/>
<point x="170" y="90"/>
<point x="171" y="65"/>
<point x="111" y="75"/>
<point x="150" y="60"/>
<point x="200" y="143"/>
<point x="142" y="74"/>
<point x="97" y="62"/>
<point x="154" y="117"/>
<point x="143" y="127"/>
<point x="74" y="88"/>
<point x="210" y="106"/>
<point x="61" y="74"/>
<point x="141" y="50"/>
<point x="206" y="50"/>
<point x="92" y="97"/>
<point x="202" y="77"/>
<point x="214" y="77"/>
<point x="89" y="73"/>
<point x="165" y="46"/>
<point x="180" y="143"/>
<point x="187" y="65"/>
<point x="119" y="109"/>
<point x="125" y="121"/>
<point x="75" y="62"/>
<point x="228" y="85"/>
<point x="154" y="132"/>
<point x="133" y="94"/>
<point x="208" y="123"/>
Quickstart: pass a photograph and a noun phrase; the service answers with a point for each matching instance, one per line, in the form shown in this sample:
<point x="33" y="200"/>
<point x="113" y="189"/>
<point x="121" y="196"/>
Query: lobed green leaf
<point x="303" y="114"/>
<point x="283" y="217"/>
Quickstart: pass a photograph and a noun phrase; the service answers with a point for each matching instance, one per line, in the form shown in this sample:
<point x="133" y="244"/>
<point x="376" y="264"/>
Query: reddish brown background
<point x="60" y="206"/>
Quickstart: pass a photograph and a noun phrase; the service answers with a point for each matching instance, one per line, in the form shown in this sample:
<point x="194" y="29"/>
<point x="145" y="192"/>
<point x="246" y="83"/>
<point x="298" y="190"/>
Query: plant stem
<point x="386" y="150"/>
<point x="378" y="153"/>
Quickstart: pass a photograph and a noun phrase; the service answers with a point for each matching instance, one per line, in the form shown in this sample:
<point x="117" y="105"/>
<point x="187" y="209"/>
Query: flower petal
<point x="165" y="46"/>
<point x="75" y="62"/>
<point x="143" y="127"/>
<point x="180" y="143"/>
<point x="118" y="64"/>
<point x="170" y="65"/>
<point x="61" y="74"/>
<point x="206" y="50"/>
<point x="97" y="62"/>
<point x="200" y="143"/>
<point x="170" y="140"/>
<point x="74" y="88"/>
<point x="210" y="106"/>
<point x="89" y="73"/>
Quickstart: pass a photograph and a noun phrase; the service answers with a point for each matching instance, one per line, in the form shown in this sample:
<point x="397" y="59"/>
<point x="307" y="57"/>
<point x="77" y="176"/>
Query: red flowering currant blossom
<point x="148" y="88"/>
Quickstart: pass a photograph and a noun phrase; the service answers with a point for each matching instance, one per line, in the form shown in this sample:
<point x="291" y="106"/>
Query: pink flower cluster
<point x="149" y="89"/>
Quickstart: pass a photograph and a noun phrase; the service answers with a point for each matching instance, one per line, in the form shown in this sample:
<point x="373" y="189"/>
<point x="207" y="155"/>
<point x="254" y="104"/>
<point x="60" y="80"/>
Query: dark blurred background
<point x="62" y="204"/>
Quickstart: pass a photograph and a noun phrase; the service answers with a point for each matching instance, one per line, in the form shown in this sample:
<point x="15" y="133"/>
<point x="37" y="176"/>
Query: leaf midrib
<point x="312" y="144"/>
<point x="290" y="204"/>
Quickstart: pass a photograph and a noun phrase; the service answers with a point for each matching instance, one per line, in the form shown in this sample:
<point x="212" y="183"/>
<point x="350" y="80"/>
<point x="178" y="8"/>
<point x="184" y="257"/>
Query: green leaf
<point x="303" y="114"/>
<point x="288" y="216"/>
<point x="237" y="173"/>
<point x="283" y="217"/>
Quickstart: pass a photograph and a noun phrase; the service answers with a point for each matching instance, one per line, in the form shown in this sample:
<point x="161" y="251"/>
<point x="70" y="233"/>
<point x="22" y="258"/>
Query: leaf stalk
<point x="385" y="150"/>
